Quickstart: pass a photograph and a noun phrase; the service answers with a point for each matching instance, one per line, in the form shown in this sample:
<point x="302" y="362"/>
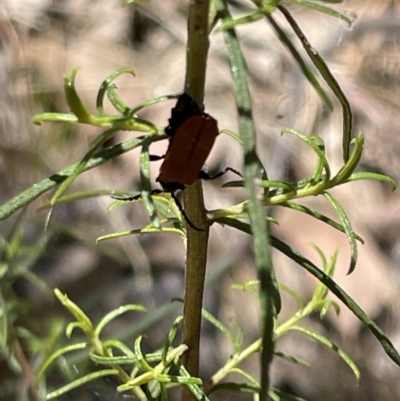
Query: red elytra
<point x="187" y="152"/>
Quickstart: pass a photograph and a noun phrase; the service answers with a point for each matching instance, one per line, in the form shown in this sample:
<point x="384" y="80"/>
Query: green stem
<point x="196" y="257"/>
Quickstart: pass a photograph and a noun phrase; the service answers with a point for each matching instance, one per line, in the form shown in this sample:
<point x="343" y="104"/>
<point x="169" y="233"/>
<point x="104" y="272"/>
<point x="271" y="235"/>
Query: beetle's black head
<point x="185" y="108"/>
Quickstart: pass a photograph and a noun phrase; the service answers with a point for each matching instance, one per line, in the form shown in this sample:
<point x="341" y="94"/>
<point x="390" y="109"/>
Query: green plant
<point x="179" y="365"/>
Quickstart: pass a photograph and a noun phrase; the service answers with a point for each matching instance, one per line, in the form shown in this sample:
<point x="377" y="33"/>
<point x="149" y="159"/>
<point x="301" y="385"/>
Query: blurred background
<point x="41" y="40"/>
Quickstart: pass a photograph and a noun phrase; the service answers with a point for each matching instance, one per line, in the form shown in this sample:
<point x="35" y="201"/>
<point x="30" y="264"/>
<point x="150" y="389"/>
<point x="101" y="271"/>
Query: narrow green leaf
<point x="293" y="294"/>
<point x="112" y="360"/>
<point x="164" y="394"/>
<point x="328" y="303"/>
<point x="70" y="118"/>
<point x="154" y="389"/>
<point x="238" y="336"/>
<point x="323" y="9"/>
<point x="114" y="99"/>
<point x="328" y="343"/>
<point x="218" y="324"/>
<point x="233" y="135"/>
<point x="318" y="216"/>
<point x="291" y="358"/>
<point x="171" y="337"/>
<point x="74" y="102"/>
<point x="247" y="375"/>
<point x="329" y="79"/>
<point x="123" y="360"/>
<point x="139" y="355"/>
<point x="240" y="225"/>
<point x="151" y="102"/>
<point x="120" y="346"/>
<point x="76" y="325"/>
<point x="373" y="176"/>
<point x="115" y="313"/>
<point x="136" y="382"/>
<point x="322" y="171"/>
<point x="145" y="185"/>
<point x="165" y="378"/>
<point x="81" y="317"/>
<point x="351" y="164"/>
<point x="57" y="354"/>
<point x="81" y="381"/>
<point x="321" y="291"/>
<point x="194" y="388"/>
<point x="173" y="356"/>
<point x="347" y="228"/>
<point x="269" y="294"/>
<point x="285" y="186"/>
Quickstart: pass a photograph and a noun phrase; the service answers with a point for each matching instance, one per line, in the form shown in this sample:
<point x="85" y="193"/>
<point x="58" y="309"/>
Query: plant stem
<point x="196" y="258"/>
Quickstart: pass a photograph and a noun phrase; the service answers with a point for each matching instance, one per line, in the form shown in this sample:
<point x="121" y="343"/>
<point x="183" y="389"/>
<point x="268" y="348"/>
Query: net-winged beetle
<point x="192" y="134"/>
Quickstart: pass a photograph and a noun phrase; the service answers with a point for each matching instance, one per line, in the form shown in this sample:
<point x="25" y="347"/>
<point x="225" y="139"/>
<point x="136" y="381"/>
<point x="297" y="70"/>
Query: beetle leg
<point x="154" y="158"/>
<point x="157" y="192"/>
<point x="136" y="197"/>
<point x="179" y="204"/>
<point x="205" y="176"/>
